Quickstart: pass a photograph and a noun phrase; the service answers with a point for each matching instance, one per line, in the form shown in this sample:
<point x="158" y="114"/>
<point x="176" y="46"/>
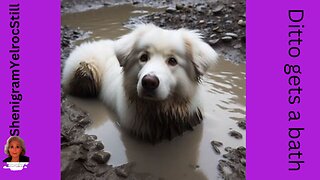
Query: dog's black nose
<point x="150" y="82"/>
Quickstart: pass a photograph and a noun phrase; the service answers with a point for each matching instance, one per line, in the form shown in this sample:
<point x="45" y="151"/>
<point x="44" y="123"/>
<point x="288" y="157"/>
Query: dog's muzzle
<point x="150" y="82"/>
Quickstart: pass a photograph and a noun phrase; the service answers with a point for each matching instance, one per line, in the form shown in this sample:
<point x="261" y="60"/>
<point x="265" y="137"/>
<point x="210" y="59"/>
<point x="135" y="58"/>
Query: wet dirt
<point x="191" y="156"/>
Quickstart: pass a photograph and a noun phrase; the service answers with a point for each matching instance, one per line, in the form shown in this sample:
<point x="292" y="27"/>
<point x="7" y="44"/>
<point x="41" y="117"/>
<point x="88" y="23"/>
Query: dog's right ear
<point x="201" y="53"/>
<point x="125" y="45"/>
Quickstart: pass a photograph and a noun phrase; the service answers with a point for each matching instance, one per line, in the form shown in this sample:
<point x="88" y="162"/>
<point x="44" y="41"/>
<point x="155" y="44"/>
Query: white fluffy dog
<point x="149" y="77"/>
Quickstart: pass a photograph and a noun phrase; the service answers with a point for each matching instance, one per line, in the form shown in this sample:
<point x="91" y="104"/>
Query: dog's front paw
<point x="86" y="81"/>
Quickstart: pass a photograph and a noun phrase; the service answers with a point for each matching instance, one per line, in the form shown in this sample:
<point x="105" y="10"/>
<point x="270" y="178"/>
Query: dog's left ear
<point x="125" y="45"/>
<point x="201" y="54"/>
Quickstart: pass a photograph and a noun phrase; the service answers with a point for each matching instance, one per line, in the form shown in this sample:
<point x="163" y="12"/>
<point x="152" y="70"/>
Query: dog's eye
<point x="172" y="61"/>
<point x="144" y="57"/>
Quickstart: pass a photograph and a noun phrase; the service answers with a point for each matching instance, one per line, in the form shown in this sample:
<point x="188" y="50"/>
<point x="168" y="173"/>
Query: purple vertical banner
<point x="283" y="90"/>
<point x="30" y="85"/>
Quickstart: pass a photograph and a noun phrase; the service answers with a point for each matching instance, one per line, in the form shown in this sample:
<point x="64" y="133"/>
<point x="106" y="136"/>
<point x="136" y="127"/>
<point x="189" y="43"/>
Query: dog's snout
<point x="150" y="82"/>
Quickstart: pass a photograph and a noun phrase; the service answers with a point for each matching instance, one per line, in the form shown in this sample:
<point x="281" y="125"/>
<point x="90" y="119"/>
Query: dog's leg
<point x="83" y="70"/>
<point x="86" y="81"/>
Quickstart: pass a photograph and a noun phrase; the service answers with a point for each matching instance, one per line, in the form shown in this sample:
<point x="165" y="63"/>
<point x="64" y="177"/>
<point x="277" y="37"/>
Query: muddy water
<point x="186" y="157"/>
<point x="105" y="22"/>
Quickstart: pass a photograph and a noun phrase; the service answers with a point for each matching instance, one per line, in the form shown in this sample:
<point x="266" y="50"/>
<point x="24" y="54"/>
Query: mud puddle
<point x="190" y="156"/>
<point x="106" y="22"/>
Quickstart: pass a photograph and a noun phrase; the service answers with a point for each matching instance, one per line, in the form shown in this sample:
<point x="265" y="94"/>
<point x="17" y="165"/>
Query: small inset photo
<point x="16" y="150"/>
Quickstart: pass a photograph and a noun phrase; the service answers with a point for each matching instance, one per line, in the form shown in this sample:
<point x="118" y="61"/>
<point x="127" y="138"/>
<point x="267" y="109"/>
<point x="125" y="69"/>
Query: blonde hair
<point x="15" y="138"/>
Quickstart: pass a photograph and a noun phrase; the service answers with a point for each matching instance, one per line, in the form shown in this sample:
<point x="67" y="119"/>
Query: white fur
<point x="108" y="56"/>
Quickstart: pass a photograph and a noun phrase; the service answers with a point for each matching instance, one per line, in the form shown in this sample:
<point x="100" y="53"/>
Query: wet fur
<point x="112" y="71"/>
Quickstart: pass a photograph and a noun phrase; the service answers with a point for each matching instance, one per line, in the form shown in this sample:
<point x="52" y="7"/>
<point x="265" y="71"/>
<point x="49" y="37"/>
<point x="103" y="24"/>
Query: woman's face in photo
<point x="15" y="149"/>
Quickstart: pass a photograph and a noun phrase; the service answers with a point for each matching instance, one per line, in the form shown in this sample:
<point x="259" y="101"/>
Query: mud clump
<point x="215" y="145"/>
<point x="233" y="167"/>
<point x="233" y="164"/>
<point x="235" y="134"/>
<point x="242" y="124"/>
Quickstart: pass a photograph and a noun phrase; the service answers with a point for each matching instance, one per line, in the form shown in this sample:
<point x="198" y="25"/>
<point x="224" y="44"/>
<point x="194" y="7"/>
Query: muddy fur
<point x="157" y="120"/>
<point x="86" y="81"/>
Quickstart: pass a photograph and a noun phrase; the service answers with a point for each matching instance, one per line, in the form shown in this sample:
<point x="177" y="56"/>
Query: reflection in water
<point x="186" y="157"/>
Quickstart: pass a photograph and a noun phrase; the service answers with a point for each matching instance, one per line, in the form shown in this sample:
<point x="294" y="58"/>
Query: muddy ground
<point x="223" y="27"/>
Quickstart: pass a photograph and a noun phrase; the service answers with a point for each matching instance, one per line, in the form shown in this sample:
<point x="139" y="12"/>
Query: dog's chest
<point x="154" y="122"/>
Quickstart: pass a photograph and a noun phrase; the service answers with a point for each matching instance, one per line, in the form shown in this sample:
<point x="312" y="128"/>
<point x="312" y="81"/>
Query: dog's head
<point x="159" y="63"/>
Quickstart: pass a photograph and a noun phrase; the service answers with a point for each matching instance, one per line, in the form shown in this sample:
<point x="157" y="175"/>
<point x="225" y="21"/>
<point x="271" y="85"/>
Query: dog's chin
<point x="150" y="95"/>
